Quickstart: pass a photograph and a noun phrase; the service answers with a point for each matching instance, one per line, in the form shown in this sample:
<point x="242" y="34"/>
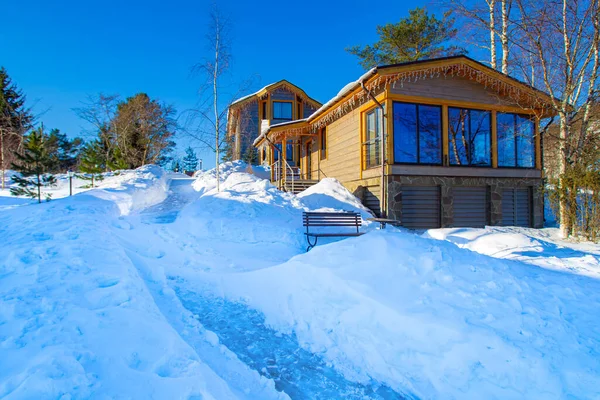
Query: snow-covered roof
<point x="350" y="87"/>
<point x="266" y="130"/>
<point x="272" y="86"/>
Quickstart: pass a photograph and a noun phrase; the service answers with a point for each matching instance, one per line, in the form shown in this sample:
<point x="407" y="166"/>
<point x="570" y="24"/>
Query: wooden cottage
<point x="446" y="142"/>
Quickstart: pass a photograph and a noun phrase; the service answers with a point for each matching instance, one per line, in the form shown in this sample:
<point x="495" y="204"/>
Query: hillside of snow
<point x="157" y="285"/>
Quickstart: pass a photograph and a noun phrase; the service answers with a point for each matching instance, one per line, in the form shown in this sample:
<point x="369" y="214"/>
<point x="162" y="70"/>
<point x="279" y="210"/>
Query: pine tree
<point x="65" y="152"/>
<point x="250" y="156"/>
<point x="175" y="166"/>
<point x="418" y="37"/>
<point x="190" y="161"/>
<point x="93" y="161"/>
<point x="34" y="166"/>
<point x="15" y="120"/>
<point x="227" y="149"/>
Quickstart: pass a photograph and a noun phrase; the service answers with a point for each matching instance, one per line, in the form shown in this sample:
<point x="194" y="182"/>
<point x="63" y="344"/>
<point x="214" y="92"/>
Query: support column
<point x="445" y="157"/>
<point x="494" y="140"/>
<point x="282" y="161"/>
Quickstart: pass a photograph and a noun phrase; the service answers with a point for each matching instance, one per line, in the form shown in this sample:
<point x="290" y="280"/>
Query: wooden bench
<point x="330" y="219"/>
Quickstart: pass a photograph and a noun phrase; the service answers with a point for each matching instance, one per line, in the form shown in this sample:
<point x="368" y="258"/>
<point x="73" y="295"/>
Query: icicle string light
<point x="511" y="91"/>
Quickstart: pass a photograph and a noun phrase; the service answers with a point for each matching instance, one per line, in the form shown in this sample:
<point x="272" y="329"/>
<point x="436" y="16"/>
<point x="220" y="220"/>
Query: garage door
<point x="470" y="207"/>
<point x="516" y="207"/>
<point x="421" y="207"/>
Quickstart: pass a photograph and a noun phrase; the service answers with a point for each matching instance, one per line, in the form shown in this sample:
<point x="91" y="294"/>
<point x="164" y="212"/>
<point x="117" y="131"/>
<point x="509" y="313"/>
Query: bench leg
<point x="311" y="245"/>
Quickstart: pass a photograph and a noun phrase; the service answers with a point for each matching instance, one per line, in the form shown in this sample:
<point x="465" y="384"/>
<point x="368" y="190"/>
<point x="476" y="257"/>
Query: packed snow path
<point x="180" y="194"/>
<point x="296" y="372"/>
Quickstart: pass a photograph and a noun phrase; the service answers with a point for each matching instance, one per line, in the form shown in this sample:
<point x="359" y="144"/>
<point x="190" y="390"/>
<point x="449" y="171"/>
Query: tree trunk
<point x="504" y="36"/>
<point x="215" y="101"/>
<point x="564" y="214"/>
<point x="492" y="28"/>
<point x="39" y="190"/>
<point x="2" y="156"/>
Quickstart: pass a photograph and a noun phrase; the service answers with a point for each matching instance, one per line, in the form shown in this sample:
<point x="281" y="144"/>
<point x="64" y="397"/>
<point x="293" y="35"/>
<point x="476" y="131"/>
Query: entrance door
<point x="309" y="160"/>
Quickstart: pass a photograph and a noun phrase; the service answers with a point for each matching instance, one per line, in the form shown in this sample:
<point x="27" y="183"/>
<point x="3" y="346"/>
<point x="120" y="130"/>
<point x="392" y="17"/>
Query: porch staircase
<point x="292" y="182"/>
<point x="298" y="185"/>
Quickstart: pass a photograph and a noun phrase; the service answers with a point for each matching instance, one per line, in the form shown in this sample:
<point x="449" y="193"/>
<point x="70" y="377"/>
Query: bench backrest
<point x="331" y="219"/>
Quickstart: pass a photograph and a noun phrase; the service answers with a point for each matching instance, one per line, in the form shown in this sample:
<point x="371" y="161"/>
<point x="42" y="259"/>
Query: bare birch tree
<point x="560" y="40"/>
<point x="206" y="123"/>
<point x="480" y="18"/>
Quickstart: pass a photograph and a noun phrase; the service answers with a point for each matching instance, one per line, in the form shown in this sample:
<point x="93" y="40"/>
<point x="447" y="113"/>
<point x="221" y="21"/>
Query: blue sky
<point x="60" y="52"/>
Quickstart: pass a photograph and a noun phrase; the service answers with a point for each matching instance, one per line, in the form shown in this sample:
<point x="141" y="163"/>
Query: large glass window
<point x="516" y="140"/>
<point x="417" y="133"/>
<point x="469" y="137"/>
<point x="282" y="110"/>
<point x="372" y="143"/>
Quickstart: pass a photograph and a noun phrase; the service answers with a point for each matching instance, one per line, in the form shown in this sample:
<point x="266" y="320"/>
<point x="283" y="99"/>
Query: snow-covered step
<point x="298" y="185"/>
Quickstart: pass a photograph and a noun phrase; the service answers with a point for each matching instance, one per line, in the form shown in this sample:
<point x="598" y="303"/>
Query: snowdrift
<point x="249" y="213"/>
<point x="134" y="190"/>
<point x="433" y="320"/>
<point x="76" y="319"/>
<point x="207" y="180"/>
<point x="543" y="248"/>
<point x="330" y="195"/>
<point x="143" y="178"/>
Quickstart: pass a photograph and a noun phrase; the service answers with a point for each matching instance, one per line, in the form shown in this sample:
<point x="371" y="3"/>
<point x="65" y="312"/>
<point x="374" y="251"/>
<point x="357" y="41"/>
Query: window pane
<point x="282" y="110"/>
<point x="405" y="133"/>
<point x="458" y="136"/>
<point x="430" y="134"/>
<point x="277" y="152"/>
<point x="506" y="139"/>
<point x="480" y="138"/>
<point x="525" y="142"/>
<point x="371" y="145"/>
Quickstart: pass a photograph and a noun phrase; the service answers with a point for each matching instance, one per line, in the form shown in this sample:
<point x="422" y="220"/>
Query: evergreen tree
<point x="64" y="151"/>
<point x="34" y="165"/>
<point x="250" y="156"/>
<point x="175" y="166"/>
<point x="227" y="152"/>
<point x="15" y="120"/>
<point x="93" y="161"/>
<point x="420" y="36"/>
<point x="190" y="161"/>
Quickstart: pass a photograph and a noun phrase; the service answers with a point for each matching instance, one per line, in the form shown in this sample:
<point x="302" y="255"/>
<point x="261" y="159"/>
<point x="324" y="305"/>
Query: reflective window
<point x="516" y="140"/>
<point x="417" y="133"/>
<point x="282" y="110"/>
<point x="469" y="137"/>
<point x="372" y="143"/>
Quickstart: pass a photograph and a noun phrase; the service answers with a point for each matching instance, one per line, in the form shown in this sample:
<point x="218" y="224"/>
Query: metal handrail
<point x="288" y="166"/>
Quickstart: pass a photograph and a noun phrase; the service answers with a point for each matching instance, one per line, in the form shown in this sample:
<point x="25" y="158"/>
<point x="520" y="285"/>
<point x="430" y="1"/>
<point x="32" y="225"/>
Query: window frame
<point x="380" y="126"/>
<point x="419" y="135"/>
<point x="491" y="142"/>
<point x="515" y="141"/>
<point x="323" y="143"/>
<point x="290" y="102"/>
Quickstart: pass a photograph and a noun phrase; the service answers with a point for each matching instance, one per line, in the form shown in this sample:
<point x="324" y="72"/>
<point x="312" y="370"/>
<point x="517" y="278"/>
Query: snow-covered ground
<point x="158" y="286"/>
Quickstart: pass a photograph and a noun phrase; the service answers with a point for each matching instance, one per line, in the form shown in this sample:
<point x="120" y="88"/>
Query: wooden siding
<point x="248" y="128"/>
<point x="308" y="110"/>
<point x="343" y="149"/>
<point x="450" y="88"/>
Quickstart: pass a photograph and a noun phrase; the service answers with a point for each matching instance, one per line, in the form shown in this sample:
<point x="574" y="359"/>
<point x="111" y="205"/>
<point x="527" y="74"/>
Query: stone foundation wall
<point x="447" y="184"/>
